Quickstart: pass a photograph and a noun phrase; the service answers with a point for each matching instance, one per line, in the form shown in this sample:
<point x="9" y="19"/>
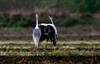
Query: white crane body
<point x="44" y="31"/>
<point x="36" y="33"/>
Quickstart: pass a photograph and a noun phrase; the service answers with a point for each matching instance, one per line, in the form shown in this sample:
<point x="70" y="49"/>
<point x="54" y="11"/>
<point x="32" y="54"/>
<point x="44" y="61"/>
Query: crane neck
<point x="36" y="19"/>
<point x="51" y="19"/>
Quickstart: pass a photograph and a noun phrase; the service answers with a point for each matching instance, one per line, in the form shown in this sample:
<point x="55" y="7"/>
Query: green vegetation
<point x="80" y="21"/>
<point x="71" y="5"/>
<point x="64" y="49"/>
<point x="84" y="7"/>
<point x="71" y="22"/>
<point x="72" y="52"/>
<point x="16" y="22"/>
<point x="30" y="22"/>
<point x="89" y="6"/>
<point x="17" y="15"/>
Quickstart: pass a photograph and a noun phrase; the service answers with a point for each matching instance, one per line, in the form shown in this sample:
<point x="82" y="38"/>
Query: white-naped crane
<point x="51" y="19"/>
<point x="36" y="33"/>
<point x="44" y="31"/>
<point x="54" y="38"/>
<point x="49" y="31"/>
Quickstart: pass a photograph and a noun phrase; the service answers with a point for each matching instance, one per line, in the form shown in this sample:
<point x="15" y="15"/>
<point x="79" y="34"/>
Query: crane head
<point x="36" y="15"/>
<point x="50" y="17"/>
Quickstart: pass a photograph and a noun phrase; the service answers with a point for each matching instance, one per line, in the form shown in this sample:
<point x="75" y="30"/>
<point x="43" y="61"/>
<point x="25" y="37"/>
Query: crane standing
<point x="49" y="31"/>
<point x="54" y="38"/>
<point x="36" y="33"/>
<point x="44" y="31"/>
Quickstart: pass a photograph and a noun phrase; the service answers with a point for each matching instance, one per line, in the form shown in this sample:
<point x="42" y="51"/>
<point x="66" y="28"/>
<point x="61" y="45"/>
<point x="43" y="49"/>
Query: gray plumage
<point x="36" y="33"/>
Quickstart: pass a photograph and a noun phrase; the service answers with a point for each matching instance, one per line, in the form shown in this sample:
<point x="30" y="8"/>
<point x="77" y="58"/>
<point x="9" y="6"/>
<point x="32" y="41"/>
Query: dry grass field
<point x="27" y="48"/>
<point x="68" y="52"/>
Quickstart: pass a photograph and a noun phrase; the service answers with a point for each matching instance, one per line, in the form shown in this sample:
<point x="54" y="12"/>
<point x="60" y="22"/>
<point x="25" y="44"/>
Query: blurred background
<point x="74" y="19"/>
<point x="77" y="21"/>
